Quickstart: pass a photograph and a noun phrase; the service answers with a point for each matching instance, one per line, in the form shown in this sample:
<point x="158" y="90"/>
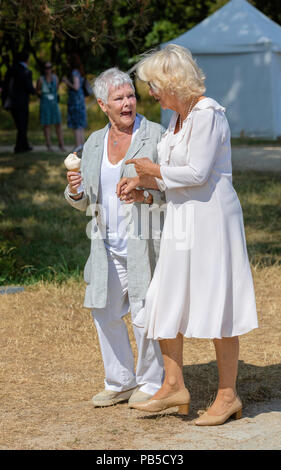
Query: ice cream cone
<point x="72" y="162"/>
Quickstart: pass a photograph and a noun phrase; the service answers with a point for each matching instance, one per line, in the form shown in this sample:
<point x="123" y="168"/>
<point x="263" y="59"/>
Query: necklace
<point x="115" y="142"/>
<point x="188" y="112"/>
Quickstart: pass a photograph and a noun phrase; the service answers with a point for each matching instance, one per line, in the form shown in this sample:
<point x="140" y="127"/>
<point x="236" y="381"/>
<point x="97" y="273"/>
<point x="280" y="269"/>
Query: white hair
<point x="110" y="78"/>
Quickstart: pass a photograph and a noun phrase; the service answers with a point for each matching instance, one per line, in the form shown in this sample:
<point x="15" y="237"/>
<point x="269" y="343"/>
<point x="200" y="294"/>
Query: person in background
<point x="19" y="86"/>
<point x="76" y="108"/>
<point x="47" y="89"/>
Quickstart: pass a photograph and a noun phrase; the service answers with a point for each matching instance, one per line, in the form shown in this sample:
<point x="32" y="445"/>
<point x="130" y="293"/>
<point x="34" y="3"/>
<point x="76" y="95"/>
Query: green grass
<point x="43" y="238"/>
<point x="260" y="197"/>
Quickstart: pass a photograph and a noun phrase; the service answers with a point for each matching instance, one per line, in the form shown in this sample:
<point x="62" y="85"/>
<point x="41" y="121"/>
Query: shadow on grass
<point x="265" y="253"/>
<point x="41" y="236"/>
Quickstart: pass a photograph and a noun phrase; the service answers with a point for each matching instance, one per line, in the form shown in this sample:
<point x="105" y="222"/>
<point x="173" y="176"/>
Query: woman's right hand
<point x="74" y="179"/>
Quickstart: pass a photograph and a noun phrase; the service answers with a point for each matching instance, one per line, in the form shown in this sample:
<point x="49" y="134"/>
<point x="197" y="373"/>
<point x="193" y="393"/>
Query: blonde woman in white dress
<point x="202" y="286"/>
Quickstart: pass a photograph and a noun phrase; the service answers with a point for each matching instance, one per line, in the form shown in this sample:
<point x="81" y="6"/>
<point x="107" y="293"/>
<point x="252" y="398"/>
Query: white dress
<point x="202" y="285"/>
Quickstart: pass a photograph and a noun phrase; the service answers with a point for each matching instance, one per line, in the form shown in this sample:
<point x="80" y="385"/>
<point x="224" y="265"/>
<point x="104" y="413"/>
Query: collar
<point x="208" y="103"/>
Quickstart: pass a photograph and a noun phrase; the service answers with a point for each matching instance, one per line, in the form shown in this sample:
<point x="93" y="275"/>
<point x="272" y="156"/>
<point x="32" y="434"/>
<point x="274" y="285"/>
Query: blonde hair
<point x="174" y="70"/>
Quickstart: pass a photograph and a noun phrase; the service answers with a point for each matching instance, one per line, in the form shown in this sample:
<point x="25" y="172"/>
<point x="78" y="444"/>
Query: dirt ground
<point x="51" y="366"/>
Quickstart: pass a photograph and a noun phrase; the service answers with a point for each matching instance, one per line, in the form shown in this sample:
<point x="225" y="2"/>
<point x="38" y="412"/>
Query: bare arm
<point x="39" y="86"/>
<point x="75" y="85"/>
<point x="57" y="81"/>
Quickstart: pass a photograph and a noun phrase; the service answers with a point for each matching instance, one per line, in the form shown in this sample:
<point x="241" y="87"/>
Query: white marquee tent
<point x="239" y="50"/>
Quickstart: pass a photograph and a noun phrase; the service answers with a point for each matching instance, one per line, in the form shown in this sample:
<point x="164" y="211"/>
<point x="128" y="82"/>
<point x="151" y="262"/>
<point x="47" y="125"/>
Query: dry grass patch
<point x="51" y="366"/>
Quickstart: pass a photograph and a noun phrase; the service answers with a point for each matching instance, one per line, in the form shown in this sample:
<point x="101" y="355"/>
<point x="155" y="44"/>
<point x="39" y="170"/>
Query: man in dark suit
<point x="20" y="87"/>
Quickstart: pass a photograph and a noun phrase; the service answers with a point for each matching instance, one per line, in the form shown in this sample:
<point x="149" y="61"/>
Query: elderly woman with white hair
<point x="121" y="263"/>
<point x="202" y="285"/>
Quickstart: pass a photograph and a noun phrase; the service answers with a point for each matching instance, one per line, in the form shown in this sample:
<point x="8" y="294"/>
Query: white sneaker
<point x="110" y="397"/>
<point x="138" y="395"/>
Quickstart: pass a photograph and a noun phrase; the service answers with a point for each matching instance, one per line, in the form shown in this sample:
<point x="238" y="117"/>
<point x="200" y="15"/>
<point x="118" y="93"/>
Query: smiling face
<point x="120" y="106"/>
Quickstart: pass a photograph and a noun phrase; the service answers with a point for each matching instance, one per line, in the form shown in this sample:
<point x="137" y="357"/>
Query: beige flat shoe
<point x="180" y="399"/>
<point x="109" y="397"/>
<point x="211" y="420"/>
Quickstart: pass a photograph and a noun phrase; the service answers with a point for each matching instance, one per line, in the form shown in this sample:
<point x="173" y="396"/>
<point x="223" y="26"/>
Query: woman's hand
<point x="75" y="85"/>
<point x="74" y="180"/>
<point x="136" y="195"/>
<point x="126" y="185"/>
<point x="145" y="167"/>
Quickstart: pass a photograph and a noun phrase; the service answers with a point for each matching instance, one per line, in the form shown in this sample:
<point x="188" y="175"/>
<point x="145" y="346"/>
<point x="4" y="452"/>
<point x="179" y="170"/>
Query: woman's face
<point x="47" y="68"/>
<point x="121" y="106"/>
<point x="165" y="99"/>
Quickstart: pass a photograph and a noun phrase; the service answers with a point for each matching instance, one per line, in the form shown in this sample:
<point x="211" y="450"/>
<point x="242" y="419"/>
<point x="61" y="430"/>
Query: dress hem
<point x="190" y="335"/>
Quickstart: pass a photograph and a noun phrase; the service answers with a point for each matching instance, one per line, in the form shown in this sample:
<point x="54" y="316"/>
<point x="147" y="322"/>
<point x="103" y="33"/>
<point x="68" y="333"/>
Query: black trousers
<point x="21" y="120"/>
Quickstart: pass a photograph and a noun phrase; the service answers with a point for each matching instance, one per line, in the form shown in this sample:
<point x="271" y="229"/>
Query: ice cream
<point x="72" y="162"/>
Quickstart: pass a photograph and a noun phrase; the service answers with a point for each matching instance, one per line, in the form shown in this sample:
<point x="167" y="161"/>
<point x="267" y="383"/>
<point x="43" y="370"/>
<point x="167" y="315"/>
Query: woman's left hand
<point x="136" y="195"/>
<point x="145" y="167"/>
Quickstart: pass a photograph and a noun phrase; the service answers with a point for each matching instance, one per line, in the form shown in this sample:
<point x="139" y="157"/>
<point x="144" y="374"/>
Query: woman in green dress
<point x="47" y="87"/>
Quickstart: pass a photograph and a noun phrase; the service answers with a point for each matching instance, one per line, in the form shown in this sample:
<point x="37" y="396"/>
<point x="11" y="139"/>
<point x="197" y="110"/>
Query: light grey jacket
<point x="142" y="249"/>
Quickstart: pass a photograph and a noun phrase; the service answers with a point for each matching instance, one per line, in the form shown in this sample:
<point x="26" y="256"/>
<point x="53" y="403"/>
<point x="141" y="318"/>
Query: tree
<point x="103" y="32"/>
<point x="170" y="18"/>
<point x="270" y="8"/>
<point x="109" y="29"/>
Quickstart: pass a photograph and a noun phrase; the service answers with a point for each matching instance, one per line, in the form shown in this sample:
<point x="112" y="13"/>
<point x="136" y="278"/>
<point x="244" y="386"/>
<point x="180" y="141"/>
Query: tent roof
<point x="236" y="27"/>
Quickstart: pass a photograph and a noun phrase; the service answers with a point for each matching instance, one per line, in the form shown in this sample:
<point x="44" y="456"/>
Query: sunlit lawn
<point x="42" y="237"/>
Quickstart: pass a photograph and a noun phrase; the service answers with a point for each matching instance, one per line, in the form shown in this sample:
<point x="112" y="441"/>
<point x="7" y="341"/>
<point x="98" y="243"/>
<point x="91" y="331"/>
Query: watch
<point x="146" y="195"/>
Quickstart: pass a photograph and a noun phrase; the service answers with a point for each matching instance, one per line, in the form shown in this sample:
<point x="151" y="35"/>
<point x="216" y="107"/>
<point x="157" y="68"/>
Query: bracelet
<point x="71" y="194"/>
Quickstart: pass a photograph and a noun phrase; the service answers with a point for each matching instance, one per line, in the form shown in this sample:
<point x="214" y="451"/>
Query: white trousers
<point x="114" y="341"/>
